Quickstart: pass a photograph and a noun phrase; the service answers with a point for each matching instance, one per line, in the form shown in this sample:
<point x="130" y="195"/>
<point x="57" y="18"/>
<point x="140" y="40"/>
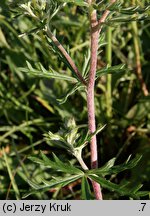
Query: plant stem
<point x="109" y="76"/>
<point x="104" y="16"/>
<point x="90" y="88"/>
<point x="66" y="55"/>
<point x="96" y="26"/>
<point x="81" y="162"/>
<point x="137" y="54"/>
<point x="138" y="60"/>
<point x="11" y="176"/>
<point x="90" y="98"/>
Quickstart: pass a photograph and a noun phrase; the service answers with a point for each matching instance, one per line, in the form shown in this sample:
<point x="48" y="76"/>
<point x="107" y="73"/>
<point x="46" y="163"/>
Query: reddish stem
<point x="90" y="98"/>
<point x="90" y="88"/>
<point x="66" y="55"/>
<point x="96" y="26"/>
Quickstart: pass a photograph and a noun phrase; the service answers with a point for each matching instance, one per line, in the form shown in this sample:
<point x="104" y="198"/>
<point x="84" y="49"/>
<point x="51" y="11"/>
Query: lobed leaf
<point x="85" y="189"/>
<point x="117" y="6"/>
<point x="71" y="91"/>
<point x="51" y="184"/>
<point x="114" y="187"/>
<point x="109" y="167"/>
<point x="76" y="2"/>
<point x="56" y="164"/>
<point x="128" y="18"/>
<point x="111" y="70"/>
<point x="46" y="74"/>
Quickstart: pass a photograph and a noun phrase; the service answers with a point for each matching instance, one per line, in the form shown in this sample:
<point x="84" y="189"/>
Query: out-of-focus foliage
<point x="30" y="106"/>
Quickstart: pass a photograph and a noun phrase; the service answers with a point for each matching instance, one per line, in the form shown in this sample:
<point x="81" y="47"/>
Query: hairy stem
<point x="90" y="98"/>
<point x="90" y="88"/>
<point x="96" y="26"/>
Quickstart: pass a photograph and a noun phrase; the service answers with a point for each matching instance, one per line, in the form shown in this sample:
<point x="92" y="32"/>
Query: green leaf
<point x="109" y="169"/>
<point x="138" y="111"/>
<point x="55" y="137"/>
<point x="76" y="2"/>
<point x="111" y="70"/>
<point x="136" y="188"/>
<point x="128" y="10"/>
<point x="143" y="193"/>
<point x="86" y="137"/>
<point x="3" y="41"/>
<point x="37" y="160"/>
<point x="67" y="137"/>
<point x="128" y="18"/>
<point x="72" y="90"/>
<point x="51" y="184"/>
<point x="20" y="127"/>
<point x="46" y="74"/>
<point x="56" y="164"/>
<point x="11" y="176"/>
<point x="112" y="187"/>
<point x="68" y="168"/>
<point x="55" y="141"/>
<point x="98" y="130"/>
<point x="85" y="187"/>
<point x="33" y="185"/>
<point x="108" y="165"/>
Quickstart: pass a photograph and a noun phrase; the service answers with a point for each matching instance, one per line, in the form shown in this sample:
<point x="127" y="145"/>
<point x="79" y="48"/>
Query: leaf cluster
<point x="74" y="174"/>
